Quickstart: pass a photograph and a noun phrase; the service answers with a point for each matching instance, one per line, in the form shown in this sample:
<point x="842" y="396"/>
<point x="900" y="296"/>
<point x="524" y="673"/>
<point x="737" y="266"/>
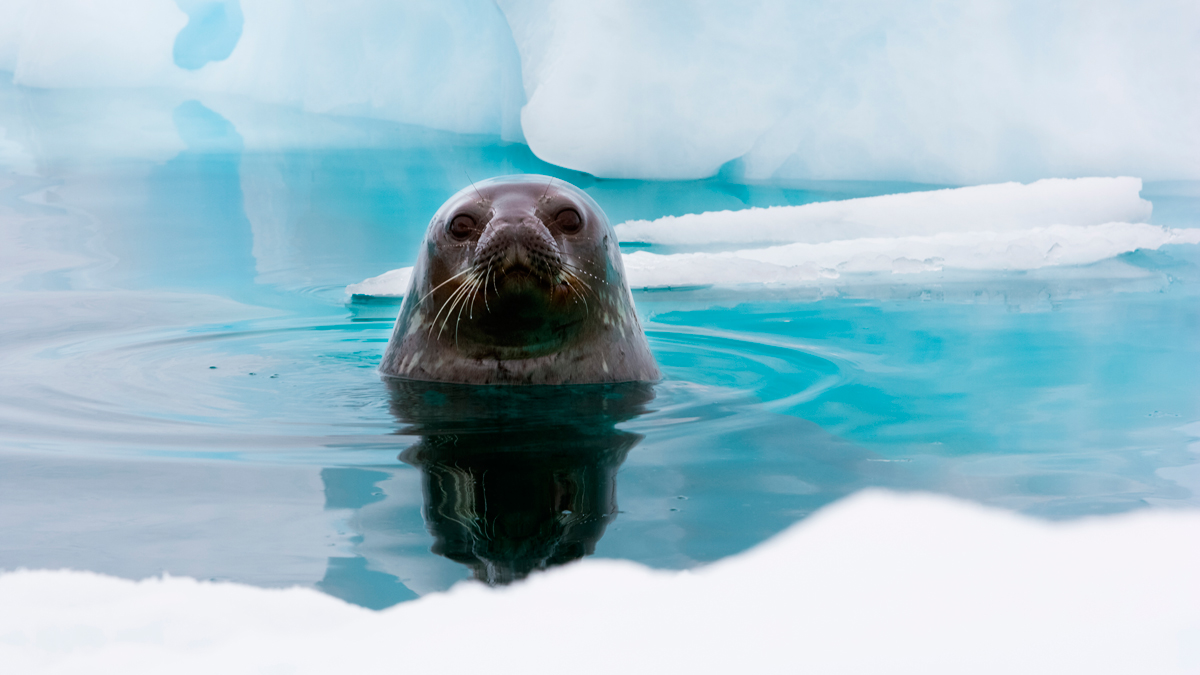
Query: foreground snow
<point x="878" y="583"/>
<point x="1056" y="222"/>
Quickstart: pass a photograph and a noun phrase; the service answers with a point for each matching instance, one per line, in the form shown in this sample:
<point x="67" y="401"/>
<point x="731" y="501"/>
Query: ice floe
<point x="1006" y="206"/>
<point x="879" y="583"/>
<point x="1006" y="227"/>
<point x="797" y="263"/>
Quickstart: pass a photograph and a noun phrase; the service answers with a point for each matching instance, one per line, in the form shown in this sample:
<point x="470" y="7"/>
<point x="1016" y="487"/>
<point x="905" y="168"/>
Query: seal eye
<point x="569" y="221"/>
<point x="461" y="226"/>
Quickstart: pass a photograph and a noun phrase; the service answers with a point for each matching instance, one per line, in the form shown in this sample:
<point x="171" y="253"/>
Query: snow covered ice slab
<point x="798" y="263"/>
<point x="1055" y="222"/>
<point x="389" y="284"/>
<point x="877" y="583"/>
<point x="1007" y="206"/>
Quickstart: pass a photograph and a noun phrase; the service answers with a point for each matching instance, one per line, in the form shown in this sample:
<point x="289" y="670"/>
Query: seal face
<point x="519" y="281"/>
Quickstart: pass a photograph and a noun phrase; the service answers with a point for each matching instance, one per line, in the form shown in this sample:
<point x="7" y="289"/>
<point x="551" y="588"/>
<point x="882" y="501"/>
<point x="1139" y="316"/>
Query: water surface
<point x="187" y="390"/>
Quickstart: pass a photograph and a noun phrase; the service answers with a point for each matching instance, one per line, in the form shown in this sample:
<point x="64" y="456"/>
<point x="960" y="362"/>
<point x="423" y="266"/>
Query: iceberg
<point x="448" y="65"/>
<point x="868" y="584"/>
<point x="921" y="91"/>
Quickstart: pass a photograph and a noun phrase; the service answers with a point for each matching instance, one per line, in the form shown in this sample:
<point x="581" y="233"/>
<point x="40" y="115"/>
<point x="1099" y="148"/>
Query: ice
<point x="879" y="582"/>
<point x="448" y="64"/>
<point x="1006" y="227"/>
<point x="925" y="91"/>
<point x="388" y="284"/>
<point x="1083" y="201"/>
<point x="443" y="64"/>
<point x="1028" y="249"/>
<point x="213" y="30"/>
<point x="81" y="43"/>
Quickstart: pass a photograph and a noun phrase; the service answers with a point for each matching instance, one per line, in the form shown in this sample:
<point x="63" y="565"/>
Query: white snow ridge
<point x="1003" y="207"/>
<point x="877" y="583"/>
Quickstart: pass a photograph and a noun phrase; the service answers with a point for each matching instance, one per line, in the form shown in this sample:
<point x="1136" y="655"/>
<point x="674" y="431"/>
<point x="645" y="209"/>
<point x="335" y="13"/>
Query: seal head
<point x="519" y="281"/>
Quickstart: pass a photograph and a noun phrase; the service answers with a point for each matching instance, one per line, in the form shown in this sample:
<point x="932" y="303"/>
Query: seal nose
<point x="509" y="243"/>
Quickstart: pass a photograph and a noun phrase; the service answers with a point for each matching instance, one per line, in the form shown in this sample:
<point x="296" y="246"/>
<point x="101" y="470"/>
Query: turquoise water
<point x="187" y="390"/>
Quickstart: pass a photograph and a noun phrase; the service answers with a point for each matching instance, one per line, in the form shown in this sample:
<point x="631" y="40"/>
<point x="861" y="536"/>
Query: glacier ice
<point x="924" y="91"/>
<point x="80" y="43"/>
<point x="213" y="30"/>
<point x="1099" y="596"/>
<point x="448" y="64"/>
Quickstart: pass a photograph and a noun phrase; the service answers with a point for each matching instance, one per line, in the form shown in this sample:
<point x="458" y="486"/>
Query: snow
<point x="926" y="91"/>
<point x="388" y="284"/>
<point x="879" y="582"/>
<point x="1024" y="249"/>
<point x="1006" y="227"/>
<point x="1082" y="201"/>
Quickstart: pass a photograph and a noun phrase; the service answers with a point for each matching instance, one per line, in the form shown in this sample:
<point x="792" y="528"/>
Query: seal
<point x="519" y="281"/>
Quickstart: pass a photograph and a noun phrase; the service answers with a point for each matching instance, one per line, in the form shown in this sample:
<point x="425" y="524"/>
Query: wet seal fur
<point x="519" y="281"/>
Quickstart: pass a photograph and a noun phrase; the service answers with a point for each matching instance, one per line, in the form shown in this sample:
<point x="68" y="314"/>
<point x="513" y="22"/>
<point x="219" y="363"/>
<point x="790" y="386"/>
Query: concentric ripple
<point x="306" y="389"/>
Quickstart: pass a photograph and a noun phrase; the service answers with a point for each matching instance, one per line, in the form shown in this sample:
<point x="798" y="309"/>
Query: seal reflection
<point x="517" y="479"/>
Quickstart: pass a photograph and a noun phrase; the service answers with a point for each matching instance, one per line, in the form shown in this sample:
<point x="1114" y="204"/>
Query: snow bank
<point x="877" y="583"/>
<point x="930" y="91"/>
<point x="1008" y="206"/>
<point x="984" y="228"/>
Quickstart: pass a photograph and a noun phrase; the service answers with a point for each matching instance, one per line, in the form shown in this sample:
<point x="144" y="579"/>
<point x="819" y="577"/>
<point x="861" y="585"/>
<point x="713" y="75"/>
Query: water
<point x="187" y="391"/>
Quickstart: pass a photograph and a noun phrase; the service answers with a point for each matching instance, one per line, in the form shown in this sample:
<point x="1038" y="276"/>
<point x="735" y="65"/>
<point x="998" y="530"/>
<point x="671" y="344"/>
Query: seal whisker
<point x="487" y="274"/>
<point x="582" y="284"/>
<point x="449" y="305"/>
<point x="576" y="269"/>
<point x="468" y="302"/>
<point x="431" y="291"/>
<point x="579" y="296"/>
<point x="459" y="302"/>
